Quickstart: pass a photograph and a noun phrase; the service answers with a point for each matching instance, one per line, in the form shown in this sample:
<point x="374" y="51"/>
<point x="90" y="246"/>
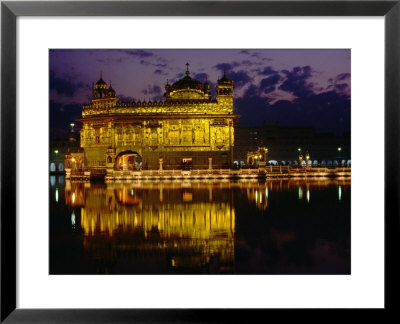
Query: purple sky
<point x="285" y="87"/>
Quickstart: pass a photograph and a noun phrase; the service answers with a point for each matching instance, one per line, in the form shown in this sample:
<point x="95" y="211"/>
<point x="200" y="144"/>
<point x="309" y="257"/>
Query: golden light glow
<point x="188" y="122"/>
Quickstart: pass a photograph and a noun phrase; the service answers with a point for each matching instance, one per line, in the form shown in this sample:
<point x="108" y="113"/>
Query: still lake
<point x="200" y="227"/>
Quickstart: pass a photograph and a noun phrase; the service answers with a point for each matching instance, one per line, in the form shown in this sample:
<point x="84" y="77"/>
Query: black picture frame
<point x="10" y="10"/>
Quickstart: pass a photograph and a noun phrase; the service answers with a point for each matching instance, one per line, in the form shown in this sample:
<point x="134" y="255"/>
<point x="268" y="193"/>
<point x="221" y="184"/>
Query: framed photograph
<point x="196" y="161"/>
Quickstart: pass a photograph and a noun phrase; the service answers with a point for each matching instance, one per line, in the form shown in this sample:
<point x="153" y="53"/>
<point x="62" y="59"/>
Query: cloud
<point x="64" y="86"/>
<point x="268" y="85"/>
<point x="226" y="66"/>
<point x="152" y="89"/>
<point x="61" y="115"/>
<point x="327" y="111"/>
<point x="341" y="83"/>
<point x="343" y="76"/>
<point x="267" y="71"/>
<point x="202" y="77"/>
<point x="296" y="81"/>
<point x="138" y="53"/>
<point x="240" y="78"/>
<point x="154" y="92"/>
<point x="123" y="98"/>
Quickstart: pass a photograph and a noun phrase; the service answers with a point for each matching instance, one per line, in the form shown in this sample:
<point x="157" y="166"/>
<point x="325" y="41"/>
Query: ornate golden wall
<point x="189" y="124"/>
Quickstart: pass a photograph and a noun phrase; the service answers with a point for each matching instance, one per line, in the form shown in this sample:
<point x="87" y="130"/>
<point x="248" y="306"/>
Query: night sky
<point x="272" y="87"/>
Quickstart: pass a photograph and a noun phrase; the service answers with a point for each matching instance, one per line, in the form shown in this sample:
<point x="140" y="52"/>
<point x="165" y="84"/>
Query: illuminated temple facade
<point x="187" y="129"/>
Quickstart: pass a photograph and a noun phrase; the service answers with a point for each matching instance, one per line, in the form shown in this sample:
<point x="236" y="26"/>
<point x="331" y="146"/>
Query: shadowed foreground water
<point x="200" y="227"/>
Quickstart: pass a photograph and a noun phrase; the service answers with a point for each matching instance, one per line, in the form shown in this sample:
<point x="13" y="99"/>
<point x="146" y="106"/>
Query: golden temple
<point x="189" y="129"/>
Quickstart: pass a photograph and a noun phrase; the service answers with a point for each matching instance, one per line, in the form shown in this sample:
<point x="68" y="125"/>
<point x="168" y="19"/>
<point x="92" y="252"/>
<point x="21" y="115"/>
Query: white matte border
<point x="363" y="288"/>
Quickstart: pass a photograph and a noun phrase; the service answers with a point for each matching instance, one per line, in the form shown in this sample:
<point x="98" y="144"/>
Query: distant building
<point x="59" y="148"/>
<point x="284" y="142"/>
<point x="188" y="129"/>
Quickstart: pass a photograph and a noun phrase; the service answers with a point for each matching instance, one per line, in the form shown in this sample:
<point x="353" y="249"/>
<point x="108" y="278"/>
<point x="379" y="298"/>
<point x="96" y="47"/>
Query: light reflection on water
<point x="201" y="227"/>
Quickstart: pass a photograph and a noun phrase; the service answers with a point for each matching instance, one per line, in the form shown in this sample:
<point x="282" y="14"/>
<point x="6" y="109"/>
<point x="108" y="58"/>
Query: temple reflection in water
<point x="192" y="227"/>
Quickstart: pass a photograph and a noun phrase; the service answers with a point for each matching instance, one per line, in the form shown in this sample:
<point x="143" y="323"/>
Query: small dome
<point x="187" y="82"/>
<point x="101" y="83"/>
<point x="225" y="80"/>
<point x="111" y="91"/>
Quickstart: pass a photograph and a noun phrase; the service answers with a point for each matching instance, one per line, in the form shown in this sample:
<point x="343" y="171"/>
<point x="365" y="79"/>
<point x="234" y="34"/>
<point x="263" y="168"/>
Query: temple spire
<point x="187" y="69"/>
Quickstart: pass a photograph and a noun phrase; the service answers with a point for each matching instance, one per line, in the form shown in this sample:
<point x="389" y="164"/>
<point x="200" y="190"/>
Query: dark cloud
<point x="252" y="91"/>
<point x="268" y="85"/>
<point x="268" y="70"/>
<point x="202" y="77"/>
<point x="108" y="61"/>
<point x="61" y="115"/>
<point x="138" y="53"/>
<point x="327" y="111"/>
<point x="152" y="90"/>
<point x="341" y="83"/>
<point x="158" y="71"/>
<point x="226" y="66"/>
<point x="341" y="87"/>
<point x="343" y="76"/>
<point x="163" y="65"/>
<point x="64" y="86"/>
<point x="240" y="78"/>
<point x="145" y="62"/>
<point x="123" y="98"/>
<point x="250" y="53"/>
<point x="296" y="81"/>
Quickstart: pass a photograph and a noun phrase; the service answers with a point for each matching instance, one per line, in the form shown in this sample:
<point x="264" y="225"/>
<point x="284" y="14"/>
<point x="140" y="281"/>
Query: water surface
<point x="200" y="227"/>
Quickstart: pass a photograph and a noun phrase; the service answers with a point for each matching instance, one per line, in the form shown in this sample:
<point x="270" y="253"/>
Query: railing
<point x="269" y="171"/>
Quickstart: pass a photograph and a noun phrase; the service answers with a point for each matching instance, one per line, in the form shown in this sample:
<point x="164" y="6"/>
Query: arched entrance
<point x="128" y="160"/>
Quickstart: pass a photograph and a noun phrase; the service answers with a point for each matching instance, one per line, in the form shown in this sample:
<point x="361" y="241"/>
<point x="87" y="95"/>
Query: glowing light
<point x="57" y="195"/>
<point x="339" y="149"/>
<point x="340" y="193"/>
<point x="299" y="149"/>
<point x="300" y="193"/>
<point x="132" y="192"/>
<point x="308" y="195"/>
<point x="73" y="219"/>
<point x="56" y="151"/>
<point x="73" y="159"/>
<point x="266" y="192"/>
<point x="73" y="197"/>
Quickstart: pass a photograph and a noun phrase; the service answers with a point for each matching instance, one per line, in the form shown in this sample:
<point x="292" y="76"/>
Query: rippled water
<point x="200" y="227"/>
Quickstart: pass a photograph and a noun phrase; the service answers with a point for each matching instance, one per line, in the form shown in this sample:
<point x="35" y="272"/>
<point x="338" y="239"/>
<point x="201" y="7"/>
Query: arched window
<point x="60" y="167"/>
<point x="52" y="167"/>
<point x="109" y="159"/>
